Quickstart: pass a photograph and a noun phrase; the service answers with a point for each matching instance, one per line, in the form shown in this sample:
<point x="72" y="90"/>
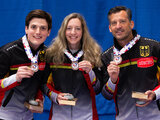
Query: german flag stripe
<point x="15" y="67"/>
<point x="63" y="66"/>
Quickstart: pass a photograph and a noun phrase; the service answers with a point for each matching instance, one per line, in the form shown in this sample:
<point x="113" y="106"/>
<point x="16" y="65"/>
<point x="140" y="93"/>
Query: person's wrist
<point x="17" y="78"/>
<point x="114" y="81"/>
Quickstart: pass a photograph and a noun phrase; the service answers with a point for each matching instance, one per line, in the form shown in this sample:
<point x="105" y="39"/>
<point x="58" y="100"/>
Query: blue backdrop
<point x="146" y="14"/>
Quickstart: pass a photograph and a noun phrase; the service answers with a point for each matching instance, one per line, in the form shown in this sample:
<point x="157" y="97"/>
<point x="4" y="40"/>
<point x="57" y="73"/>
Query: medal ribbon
<point x="126" y="47"/>
<point x="70" y="56"/>
<point x="34" y="59"/>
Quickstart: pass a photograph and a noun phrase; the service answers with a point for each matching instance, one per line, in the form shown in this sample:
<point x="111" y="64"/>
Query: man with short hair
<point x="131" y="64"/>
<point x="21" y="67"/>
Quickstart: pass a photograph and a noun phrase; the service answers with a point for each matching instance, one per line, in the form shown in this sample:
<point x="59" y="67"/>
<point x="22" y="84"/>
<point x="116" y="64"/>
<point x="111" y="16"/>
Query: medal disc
<point x="34" y="67"/>
<point x="117" y="59"/>
<point x="74" y="65"/>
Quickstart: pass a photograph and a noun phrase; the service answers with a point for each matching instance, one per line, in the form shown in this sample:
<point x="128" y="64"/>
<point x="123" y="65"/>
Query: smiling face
<point x="74" y="33"/>
<point x="120" y="26"/>
<point x="37" y="32"/>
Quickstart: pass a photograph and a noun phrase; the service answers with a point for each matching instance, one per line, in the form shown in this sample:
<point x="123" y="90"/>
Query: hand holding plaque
<point x="34" y="106"/>
<point x="139" y="95"/>
<point x="141" y="98"/>
<point x="69" y="100"/>
<point x="151" y="95"/>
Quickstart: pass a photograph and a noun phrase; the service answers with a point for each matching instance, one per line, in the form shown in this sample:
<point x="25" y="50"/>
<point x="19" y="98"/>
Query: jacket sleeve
<point x="96" y="80"/>
<point x="47" y="86"/>
<point x="6" y="82"/>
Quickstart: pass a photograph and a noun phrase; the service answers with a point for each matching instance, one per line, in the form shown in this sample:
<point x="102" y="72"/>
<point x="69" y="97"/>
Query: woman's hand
<point x="85" y="65"/>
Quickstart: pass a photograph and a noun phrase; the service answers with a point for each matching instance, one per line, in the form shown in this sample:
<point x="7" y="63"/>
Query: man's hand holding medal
<point x="24" y="72"/>
<point x="113" y="71"/>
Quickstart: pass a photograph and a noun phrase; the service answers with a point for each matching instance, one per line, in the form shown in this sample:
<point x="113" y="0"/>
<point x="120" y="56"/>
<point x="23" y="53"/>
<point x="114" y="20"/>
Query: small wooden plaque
<point x="39" y="109"/>
<point x="68" y="102"/>
<point x="139" y="95"/>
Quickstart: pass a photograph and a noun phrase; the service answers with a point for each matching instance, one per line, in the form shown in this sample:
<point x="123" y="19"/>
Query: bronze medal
<point x="74" y="65"/>
<point x="34" y="67"/>
<point x="117" y="59"/>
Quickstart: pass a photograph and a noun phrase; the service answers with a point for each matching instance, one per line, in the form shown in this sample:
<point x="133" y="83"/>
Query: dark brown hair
<point x="39" y="14"/>
<point x="118" y="9"/>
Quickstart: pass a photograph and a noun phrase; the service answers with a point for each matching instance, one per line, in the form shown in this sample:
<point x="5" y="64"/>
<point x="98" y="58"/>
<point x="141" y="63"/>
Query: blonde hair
<point x="91" y="49"/>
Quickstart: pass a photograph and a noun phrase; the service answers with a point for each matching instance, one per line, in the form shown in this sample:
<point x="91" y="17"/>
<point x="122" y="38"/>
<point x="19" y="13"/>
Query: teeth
<point x="37" y="37"/>
<point x="73" y="37"/>
<point x="120" y="31"/>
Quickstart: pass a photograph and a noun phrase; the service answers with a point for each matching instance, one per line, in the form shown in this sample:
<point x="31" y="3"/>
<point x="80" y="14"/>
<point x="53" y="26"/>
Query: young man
<point x="131" y="65"/>
<point x="21" y="67"/>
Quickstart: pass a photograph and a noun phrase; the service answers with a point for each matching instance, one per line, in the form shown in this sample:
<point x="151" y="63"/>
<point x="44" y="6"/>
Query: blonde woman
<point x="74" y="58"/>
